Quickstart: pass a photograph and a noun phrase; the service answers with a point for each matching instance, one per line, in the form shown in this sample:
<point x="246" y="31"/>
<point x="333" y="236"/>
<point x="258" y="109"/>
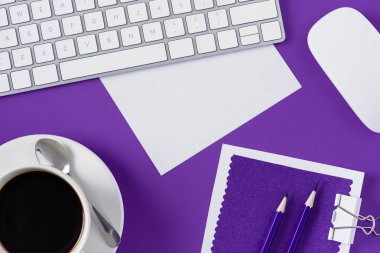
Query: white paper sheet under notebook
<point x="178" y="110"/>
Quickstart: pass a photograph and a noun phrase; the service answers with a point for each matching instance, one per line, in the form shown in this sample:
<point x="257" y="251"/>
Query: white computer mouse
<point x="347" y="47"/>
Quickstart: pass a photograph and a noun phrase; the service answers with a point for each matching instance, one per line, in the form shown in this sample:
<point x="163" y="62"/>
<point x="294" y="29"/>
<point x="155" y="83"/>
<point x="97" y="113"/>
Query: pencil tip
<point x="286" y="195"/>
<point x="316" y="187"/>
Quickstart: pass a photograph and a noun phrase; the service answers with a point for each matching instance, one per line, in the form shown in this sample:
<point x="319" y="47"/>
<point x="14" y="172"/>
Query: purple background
<point x="168" y="214"/>
<point x="254" y="191"/>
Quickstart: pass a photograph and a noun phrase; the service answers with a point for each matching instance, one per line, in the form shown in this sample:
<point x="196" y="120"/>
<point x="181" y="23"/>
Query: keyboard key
<point x="137" y="12"/>
<point x="109" y="40"/>
<point x="6" y="1"/>
<point x="72" y="25"/>
<point x="271" y="31"/>
<point x="45" y="74"/>
<point x="5" y="61"/>
<point x="41" y="9"/>
<point x="253" y="12"/>
<point x="205" y="43"/>
<point x="87" y="44"/>
<point x="181" y="6"/>
<point x="94" y="21"/>
<point x="22" y="57"/>
<point x="203" y="4"/>
<point x="196" y="23"/>
<point x="4" y="83"/>
<point x="181" y="48"/>
<point x="21" y="79"/>
<point x="159" y="8"/>
<point x="227" y="39"/>
<point x="62" y="7"/>
<point x="29" y="34"/>
<point x="50" y="30"/>
<point x="3" y="18"/>
<point x="248" y="30"/>
<point x="103" y="3"/>
<point x="8" y="38"/>
<point x="113" y="61"/>
<point x="19" y="13"/>
<point x="65" y="49"/>
<point x="218" y="19"/>
<point x="249" y="35"/>
<point x="250" y="39"/>
<point x="44" y="53"/>
<point x="224" y="2"/>
<point x="130" y="36"/>
<point x="152" y="32"/>
<point x="116" y="17"/>
<point x="174" y="27"/>
<point x="83" y="5"/>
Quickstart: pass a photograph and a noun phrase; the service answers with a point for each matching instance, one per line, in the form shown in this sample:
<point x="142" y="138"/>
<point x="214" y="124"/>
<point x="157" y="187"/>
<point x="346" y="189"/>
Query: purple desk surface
<point x="168" y="214"/>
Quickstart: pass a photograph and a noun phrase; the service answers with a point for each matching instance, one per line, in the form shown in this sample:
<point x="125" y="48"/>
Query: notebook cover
<point x="254" y="191"/>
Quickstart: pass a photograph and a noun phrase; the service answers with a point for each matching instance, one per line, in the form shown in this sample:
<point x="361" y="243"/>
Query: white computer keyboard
<point x="45" y="43"/>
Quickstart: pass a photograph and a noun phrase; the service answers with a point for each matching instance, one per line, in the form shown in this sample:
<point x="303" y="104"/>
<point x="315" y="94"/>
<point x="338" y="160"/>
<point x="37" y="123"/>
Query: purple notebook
<point x="255" y="189"/>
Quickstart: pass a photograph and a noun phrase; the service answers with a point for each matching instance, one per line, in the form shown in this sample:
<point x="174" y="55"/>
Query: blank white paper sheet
<point x="179" y="109"/>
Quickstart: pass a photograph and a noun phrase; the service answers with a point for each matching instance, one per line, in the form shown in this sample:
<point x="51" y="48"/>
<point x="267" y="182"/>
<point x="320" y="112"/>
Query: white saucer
<point x="89" y="171"/>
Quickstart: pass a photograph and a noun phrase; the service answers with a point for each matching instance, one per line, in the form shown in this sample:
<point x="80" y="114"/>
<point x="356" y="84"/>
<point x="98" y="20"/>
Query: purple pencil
<point x="274" y="225"/>
<point x="303" y="220"/>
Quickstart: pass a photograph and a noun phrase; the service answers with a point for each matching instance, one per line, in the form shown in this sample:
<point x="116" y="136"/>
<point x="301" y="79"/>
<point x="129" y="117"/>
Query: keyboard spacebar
<point x="124" y="59"/>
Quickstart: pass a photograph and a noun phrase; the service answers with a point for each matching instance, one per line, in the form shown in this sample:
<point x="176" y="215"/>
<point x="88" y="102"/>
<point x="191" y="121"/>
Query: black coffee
<point x="39" y="213"/>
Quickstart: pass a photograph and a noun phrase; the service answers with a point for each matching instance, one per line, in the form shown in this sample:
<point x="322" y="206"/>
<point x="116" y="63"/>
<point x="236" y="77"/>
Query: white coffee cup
<point x="86" y="225"/>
